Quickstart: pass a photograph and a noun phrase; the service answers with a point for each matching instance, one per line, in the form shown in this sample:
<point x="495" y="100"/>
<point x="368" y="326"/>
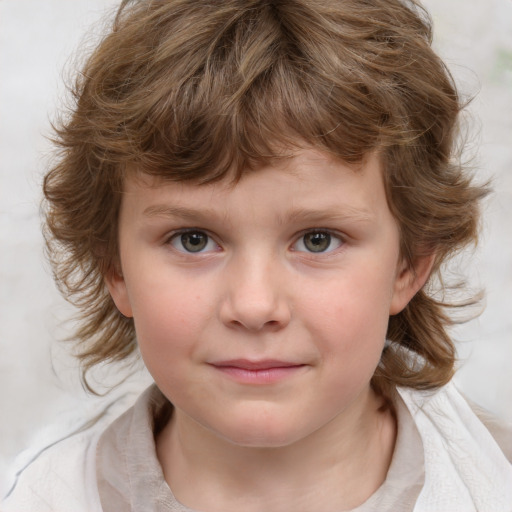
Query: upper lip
<point x="247" y="364"/>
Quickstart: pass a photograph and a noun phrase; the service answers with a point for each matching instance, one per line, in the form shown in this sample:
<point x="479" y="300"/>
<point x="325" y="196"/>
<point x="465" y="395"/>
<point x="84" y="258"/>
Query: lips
<point x="246" y="364"/>
<point x="265" y="371"/>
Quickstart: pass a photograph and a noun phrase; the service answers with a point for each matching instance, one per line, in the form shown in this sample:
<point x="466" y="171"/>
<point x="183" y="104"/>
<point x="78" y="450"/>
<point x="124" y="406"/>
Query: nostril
<point x="270" y="325"/>
<point x="273" y="325"/>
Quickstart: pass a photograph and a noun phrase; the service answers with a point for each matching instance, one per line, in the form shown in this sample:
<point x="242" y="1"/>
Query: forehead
<point x="308" y="183"/>
<point x="306" y="178"/>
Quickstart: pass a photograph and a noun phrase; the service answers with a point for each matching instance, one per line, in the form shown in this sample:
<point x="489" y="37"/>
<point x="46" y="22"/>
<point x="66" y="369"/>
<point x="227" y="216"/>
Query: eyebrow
<point x="163" y="210"/>
<point x="313" y="216"/>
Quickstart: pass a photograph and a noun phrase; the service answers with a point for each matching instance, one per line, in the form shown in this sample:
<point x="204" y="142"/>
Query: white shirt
<point x="445" y="460"/>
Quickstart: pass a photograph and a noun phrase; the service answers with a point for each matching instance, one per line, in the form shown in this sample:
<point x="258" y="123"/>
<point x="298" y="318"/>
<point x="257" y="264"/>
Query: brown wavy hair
<point x="191" y="90"/>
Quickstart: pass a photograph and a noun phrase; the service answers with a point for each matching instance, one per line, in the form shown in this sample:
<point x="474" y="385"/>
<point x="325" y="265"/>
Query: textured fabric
<point x="61" y="479"/>
<point x="444" y="460"/>
<point x="128" y="472"/>
<point x="465" y="469"/>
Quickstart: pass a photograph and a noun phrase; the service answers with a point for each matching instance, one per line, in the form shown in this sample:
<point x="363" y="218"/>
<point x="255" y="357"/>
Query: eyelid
<point x="333" y="233"/>
<point x="179" y="232"/>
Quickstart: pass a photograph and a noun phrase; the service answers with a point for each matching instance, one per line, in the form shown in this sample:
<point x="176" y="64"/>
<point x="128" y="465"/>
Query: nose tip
<point x="256" y="316"/>
<point x="255" y="305"/>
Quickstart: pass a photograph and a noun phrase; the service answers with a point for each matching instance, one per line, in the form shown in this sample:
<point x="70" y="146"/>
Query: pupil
<point x="194" y="242"/>
<point x="317" y="242"/>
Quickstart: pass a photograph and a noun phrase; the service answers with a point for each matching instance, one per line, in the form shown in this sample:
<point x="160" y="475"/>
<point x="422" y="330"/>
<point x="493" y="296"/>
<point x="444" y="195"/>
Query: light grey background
<point x="38" y="380"/>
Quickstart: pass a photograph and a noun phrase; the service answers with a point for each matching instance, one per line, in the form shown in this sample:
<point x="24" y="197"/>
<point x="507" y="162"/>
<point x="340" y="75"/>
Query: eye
<point x="318" y="242"/>
<point x="193" y="242"/>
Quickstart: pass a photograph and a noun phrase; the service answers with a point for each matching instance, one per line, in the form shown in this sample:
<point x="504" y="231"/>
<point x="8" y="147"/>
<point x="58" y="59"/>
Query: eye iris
<point x="194" y="241"/>
<point x="317" y="242"/>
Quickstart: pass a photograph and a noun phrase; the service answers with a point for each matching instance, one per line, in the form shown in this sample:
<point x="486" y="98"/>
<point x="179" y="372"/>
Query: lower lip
<point x="261" y="376"/>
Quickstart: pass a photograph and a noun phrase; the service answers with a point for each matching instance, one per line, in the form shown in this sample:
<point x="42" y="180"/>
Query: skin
<point x="257" y="292"/>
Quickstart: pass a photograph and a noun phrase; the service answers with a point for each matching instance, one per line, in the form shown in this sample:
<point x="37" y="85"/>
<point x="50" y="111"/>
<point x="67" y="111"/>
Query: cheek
<point x="168" y="318"/>
<point x="349" y="318"/>
<point x="354" y="301"/>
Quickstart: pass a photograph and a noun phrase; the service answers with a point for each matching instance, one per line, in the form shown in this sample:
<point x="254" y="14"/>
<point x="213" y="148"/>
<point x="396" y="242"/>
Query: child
<point x="259" y="196"/>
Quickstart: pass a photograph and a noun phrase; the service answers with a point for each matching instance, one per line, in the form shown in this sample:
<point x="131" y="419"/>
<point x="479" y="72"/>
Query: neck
<point x="338" y="466"/>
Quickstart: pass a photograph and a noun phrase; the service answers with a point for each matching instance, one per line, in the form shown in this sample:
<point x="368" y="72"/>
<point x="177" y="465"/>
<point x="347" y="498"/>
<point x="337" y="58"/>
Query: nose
<point x="255" y="297"/>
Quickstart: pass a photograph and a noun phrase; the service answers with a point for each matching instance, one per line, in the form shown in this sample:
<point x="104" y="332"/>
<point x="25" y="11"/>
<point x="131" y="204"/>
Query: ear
<point x="118" y="291"/>
<point x="409" y="280"/>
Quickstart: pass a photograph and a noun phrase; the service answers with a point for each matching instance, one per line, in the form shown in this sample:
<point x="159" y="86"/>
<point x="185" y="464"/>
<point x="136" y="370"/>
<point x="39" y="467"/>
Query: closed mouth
<point x="245" y="364"/>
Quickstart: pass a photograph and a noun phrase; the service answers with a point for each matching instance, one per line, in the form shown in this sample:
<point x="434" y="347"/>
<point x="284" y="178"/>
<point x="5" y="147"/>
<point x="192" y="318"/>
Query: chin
<point x="261" y="440"/>
<point x="271" y="433"/>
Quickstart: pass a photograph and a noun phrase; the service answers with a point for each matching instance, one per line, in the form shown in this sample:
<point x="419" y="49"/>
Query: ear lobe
<point x="409" y="280"/>
<point x="117" y="288"/>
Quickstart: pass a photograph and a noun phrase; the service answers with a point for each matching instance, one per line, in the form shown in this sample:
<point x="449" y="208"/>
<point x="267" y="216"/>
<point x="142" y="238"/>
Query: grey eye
<point x="317" y="241"/>
<point x="195" y="241"/>
<point x="192" y="241"/>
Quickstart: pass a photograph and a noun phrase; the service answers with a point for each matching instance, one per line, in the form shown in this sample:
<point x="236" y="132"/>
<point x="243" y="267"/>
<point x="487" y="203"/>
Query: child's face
<point x="261" y="308"/>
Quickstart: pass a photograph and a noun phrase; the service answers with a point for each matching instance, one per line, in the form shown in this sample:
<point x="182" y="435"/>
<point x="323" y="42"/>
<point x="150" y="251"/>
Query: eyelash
<point x="180" y="234"/>
<point x="331" y="237"/>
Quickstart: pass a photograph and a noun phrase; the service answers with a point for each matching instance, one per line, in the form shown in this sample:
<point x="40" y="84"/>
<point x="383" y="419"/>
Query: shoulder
<point x="500" y="430"/>
<point x="66" y="475"/>
<point x="451" y="409"/>
<point x="464" y="462"/>
<point x="61" y="478"/>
